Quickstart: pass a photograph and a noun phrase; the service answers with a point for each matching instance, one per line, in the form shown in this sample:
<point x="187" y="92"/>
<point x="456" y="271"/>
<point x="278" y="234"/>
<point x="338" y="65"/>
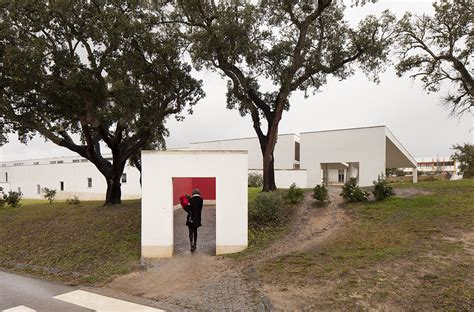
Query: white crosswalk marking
<point x="101" y="303"/>
<point x="21" y="308"/>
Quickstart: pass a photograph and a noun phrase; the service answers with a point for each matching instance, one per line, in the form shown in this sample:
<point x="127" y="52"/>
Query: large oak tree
<point x="439" y="49"/>
<point x="79" y="73"/>
<point x="270" y="49"/>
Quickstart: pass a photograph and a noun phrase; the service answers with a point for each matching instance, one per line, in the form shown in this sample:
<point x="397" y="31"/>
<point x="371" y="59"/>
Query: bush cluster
<point x="73" y="201"/>
<point x="294" y="195"/>
<point x="49" y="194"/>
<point x="266" y="209"/>
<point x="2" y="202"/>
<point x="382" y="189"/>
<point x="255" y="179"/>
<point x="13" y="198"/>
<point x="351" y="192"/>
<point x="320" y="193"/>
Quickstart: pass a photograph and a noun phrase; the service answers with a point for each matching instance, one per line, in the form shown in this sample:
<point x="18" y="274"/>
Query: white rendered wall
<point x="284" y="150"/>
<point x="284" y="178"/>
<point x="363" y="145"/>
<point x="230" y="168"/>
<point x="74" y="175"/>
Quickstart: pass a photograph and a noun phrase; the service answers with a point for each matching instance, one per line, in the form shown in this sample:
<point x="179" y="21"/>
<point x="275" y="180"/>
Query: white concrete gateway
<point x="229" y="168"/>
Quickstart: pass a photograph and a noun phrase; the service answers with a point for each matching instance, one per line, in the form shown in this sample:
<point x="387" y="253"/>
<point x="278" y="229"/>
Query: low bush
<point x="255" y="179"/>
<point x="73" y="201"/>
<point x="2" y="202"/>
<point x="49" y="194"/>
<point x="266" y="209"/>
<point x="13" y="198"/>
<point x="294" y="195"/>
<point x="320" y="193"/>
<point x="351" y="192"/>
<point x="382" y="189"/>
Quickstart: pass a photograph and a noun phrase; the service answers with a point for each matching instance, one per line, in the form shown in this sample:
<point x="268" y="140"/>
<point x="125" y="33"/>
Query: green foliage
<point x="294" y="195"/>
<point x="73" y="201"/>
<point x="438" y="49"/>
<point x="266" y="209"/>
<point x="464" y="154"/>
<point x="394" y="172"/>
<point x="105" y="72"/>
<point x="2" y="202"/>
<point x="351" y="192"/>
<point x="13" y="198"/>
<point x="320" y="194"/>
<point x="255" y="179"/>
<point x="49" y="194"/>
<point x="382" y="189"/>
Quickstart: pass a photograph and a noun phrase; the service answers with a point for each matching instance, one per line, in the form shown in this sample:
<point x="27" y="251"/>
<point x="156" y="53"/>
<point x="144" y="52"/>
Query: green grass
<point x="385" y="235"/>
<point x="74" y="243"/>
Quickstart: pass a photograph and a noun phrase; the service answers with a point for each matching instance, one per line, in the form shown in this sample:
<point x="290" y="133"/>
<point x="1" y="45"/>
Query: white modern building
<point x="69" y="176"/>
<point x="437" y="165"/>
<point x="308" y="159"/>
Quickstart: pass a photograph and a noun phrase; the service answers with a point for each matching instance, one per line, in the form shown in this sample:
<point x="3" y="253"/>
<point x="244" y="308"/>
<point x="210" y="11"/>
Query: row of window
<point x="53" y="162"/>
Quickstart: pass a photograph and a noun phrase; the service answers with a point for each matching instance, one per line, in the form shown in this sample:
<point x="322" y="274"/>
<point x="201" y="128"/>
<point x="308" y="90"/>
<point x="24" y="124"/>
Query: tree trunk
<point x="114" y="192"/>
<point x="269" y="173"/>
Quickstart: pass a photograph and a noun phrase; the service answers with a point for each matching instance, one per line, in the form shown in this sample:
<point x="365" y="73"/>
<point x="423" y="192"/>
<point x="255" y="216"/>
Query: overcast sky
<point x="417" y="119"/>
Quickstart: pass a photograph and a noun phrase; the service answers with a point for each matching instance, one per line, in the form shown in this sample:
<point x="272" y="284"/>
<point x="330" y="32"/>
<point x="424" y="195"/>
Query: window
<point x="75" y="160"/>
<point x="52" y="162"/>
<point x="340" y="176"/>
<point x="6" y="176"/>
<point x="17" y="164"/>
<point x="124" y="178"/>
<point x="61" y="184"/>
<point x="19" y="189"/>
<point x="89" y="182"/>
<point x="60" y="161"/>
<point x="38" y="188"/>
<point x="84" y="160"/>
<point x="1" y="189"/>
<point x="297" y="151"/>
<point x="296" y="167"/>
<point x="36" y="163"/>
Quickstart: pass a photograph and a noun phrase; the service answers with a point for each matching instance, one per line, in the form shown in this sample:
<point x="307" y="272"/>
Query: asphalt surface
<point x="16" y="290"/>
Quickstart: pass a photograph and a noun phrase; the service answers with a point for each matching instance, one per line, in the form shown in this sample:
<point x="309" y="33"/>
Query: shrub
<point x="49" y="194"/>
<point x="73" y="201"/>
<point x="267" y="208"/>
<point x="320" y="193"/>
<point x="255" y="179"/>
<point x="381" y="189"/>
<point x="351" y="192"/>
<point x="13" y="198"/>
<point x="295" y="195"/>
<point x="2" y="202"/>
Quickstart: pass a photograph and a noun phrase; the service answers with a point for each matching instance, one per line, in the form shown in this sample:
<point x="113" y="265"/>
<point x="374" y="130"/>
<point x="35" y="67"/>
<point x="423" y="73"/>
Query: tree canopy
<point x="464" y="154"/>
<point x="439" y="49"/>
<point x="270" y="49"/>
<point x="83" y="72"/>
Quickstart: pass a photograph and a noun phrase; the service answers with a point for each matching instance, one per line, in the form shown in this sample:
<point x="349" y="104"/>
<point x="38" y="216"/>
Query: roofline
<point x="236" y="139"/>
<point x="56" y="157"/>
<point x="344" y="129"/>
<point x="195" y="152"/>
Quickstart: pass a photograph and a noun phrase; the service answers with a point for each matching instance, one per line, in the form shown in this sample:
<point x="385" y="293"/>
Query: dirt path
<point x="201" y="281"/>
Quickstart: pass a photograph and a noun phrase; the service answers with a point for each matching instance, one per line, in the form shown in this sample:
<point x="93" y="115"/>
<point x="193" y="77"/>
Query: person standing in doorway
<point x="195" y="206"/>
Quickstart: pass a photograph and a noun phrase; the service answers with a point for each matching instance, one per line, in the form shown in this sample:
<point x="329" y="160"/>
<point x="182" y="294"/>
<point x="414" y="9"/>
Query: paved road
<point x="25" y="294"/>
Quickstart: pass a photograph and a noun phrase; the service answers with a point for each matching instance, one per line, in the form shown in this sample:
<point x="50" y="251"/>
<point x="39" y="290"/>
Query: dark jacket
<point x="195" y="209"/>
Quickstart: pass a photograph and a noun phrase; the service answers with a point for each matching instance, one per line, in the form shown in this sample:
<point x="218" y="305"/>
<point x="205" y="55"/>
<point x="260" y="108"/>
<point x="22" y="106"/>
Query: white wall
<point x="284" y="178"/>
<point x="284" y="150"/>
<point x="74" y="175"/>
<point x="363" y="145"/>
<point x="230" y="168"/>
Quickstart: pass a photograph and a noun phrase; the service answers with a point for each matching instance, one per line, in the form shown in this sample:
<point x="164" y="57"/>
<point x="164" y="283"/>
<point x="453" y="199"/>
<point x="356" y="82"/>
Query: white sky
<point x="417" y="119"/>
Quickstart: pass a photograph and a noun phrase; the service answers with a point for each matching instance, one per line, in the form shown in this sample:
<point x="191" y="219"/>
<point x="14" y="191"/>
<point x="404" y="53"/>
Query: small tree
<point x="295" y="195"/>
<point x="49" y="194"/>
<point x="321" y="194"/>
<point x="465" y="156"/>
<point x="351" y="192"/>
<point x="13" y="198"/>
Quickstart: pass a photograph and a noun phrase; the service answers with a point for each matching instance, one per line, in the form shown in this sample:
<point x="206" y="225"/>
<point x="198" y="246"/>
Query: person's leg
<point x="195" y="236"/>
<point x="191" y="236"/>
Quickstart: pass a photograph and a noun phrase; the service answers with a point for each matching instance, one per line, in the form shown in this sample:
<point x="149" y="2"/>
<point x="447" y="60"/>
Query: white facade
<point x="284" y="178"/>
<point x="437" y="164"/>
<point x="286" y="155"/>
<point x="160" y="167"/>
<point x="70" y="176"/>
<point x="364" y="152"/>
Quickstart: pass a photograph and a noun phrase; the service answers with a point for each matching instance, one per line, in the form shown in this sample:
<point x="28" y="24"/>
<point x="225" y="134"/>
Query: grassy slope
<point x="404" y="252"/>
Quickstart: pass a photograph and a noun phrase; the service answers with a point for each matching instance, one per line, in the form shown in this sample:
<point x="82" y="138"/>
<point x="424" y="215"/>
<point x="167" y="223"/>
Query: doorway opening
<point x="339" y="173"/>
<point x="206" y="242"/>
